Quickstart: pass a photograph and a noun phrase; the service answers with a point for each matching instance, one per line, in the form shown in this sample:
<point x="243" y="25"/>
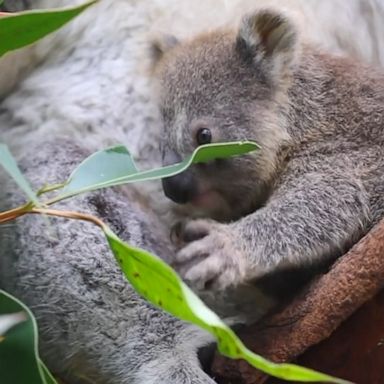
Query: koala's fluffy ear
<point x="160" y="46"/>
<point x="268" y="40"/>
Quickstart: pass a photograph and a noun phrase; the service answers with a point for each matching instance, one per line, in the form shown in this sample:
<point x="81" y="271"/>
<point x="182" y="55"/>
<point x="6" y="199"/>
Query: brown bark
<point x="313" y="316"/>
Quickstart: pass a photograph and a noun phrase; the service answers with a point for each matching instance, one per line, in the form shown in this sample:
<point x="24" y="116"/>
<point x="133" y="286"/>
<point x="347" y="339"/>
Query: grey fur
<point x="317" y="184"/>
<point x="15" y="5"/>
<point x="84" y="92"/>
<point x="87" y="89"/>
<point x="93" y="326"/>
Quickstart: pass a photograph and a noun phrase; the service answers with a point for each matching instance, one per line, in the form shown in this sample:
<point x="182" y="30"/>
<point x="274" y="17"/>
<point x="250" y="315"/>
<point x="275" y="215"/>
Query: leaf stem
<point x="69" y="215"/>
<point x="15" y="213"/>
<point x="49" y="188"/>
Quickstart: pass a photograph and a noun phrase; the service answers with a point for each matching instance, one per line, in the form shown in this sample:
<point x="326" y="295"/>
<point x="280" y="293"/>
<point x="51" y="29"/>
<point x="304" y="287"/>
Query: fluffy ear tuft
<point x="267" y="38"/>
<point x="160" y="46"/>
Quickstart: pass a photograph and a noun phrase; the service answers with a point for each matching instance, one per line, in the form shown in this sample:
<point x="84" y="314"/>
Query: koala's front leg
<point x="308" y="219"/>
<point x="212" y="257"/>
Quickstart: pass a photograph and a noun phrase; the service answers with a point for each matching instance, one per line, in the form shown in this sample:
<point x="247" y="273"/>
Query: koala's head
<point x="226" y="86"/>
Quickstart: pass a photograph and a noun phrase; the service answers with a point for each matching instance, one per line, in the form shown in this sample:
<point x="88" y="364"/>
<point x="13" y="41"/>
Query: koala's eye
<point x="203" y="136"/>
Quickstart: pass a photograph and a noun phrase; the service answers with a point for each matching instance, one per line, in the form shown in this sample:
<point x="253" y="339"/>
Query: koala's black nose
<point x="180" y="188"/>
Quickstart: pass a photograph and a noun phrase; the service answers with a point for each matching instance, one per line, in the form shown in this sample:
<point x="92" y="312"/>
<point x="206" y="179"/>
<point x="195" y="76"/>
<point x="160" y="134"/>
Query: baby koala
<point x="316" y="185"/>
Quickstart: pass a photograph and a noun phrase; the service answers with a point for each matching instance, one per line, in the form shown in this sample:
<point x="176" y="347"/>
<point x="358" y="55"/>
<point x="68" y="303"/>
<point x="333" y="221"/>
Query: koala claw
<point x="210" y="258"/>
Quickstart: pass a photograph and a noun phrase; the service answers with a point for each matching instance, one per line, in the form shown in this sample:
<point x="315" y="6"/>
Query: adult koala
<point x="93" y="326"/>
<point x="84" y="95"/>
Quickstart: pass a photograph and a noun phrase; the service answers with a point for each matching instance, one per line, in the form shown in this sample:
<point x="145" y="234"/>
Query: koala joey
<point x="316" y="185"/>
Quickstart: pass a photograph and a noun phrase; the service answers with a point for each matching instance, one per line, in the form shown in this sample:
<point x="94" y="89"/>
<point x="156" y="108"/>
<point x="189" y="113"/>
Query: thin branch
<point x="15" y="213"/>
<point x="69" y="215"/>
<point x="49" y="188"/>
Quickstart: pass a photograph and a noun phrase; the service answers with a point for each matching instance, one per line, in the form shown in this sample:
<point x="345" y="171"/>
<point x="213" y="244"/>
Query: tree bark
<point x="317" y="312"/>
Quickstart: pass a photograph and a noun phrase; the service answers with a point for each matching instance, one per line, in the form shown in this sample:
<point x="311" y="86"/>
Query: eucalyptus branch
<point x="13" y="214"/>
<point x="69" y="215"/>
<point x="49" y="188"/>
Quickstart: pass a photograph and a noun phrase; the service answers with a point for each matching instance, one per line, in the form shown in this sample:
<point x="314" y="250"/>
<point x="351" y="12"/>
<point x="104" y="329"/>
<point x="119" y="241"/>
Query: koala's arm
<point x="313" y="215"/>
<point x="310" y="218"/>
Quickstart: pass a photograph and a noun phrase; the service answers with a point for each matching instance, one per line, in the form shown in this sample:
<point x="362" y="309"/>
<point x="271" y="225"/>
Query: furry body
<point x="316" y="185"/>
<point x="93" y="326"/>
<point x="83" y="93"/>
<point x="76" y="92"/>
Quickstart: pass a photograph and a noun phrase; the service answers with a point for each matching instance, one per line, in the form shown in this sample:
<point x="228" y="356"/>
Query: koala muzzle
<point x="180" y="188"/>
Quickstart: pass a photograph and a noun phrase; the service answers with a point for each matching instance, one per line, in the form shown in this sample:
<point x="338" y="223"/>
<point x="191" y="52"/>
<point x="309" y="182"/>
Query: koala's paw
<point x="209" y="257"/>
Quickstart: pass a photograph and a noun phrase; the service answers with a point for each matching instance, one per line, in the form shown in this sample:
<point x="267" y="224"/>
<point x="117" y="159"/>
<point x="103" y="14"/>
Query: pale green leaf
<point x="9" y="164"/>
<point x="100" y="168"/>
<point x="87" y="178"/>
<point x="23" y="28"/>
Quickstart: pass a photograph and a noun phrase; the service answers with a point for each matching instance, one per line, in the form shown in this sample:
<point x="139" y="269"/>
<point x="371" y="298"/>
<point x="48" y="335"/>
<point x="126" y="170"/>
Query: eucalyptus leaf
<point x="49" y="379"/>
<point x="158" y="283"/>
<point x="102" y="167"/>
<point x="23" y="28"/>
<point x="86" y="177"/>
<point x="19" y="359"/>
<point x="9" y="164"/>
<point x="9" y="320"/>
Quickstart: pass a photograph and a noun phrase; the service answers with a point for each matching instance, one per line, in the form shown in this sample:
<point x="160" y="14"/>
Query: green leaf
<point x="23" y="28"/>
<point x="157" y="282"/>
<point x="49" y="379"/>
<point x="86" y="178"/>
<point x="19" y="359"/>
<point x="10" y="165"/>
<point x="102" y="167"/>
<point x="8" y="321"/>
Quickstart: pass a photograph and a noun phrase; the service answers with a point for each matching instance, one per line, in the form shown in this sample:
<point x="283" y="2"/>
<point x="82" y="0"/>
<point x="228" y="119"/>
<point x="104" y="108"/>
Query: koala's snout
<point x="180" y="188"/>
